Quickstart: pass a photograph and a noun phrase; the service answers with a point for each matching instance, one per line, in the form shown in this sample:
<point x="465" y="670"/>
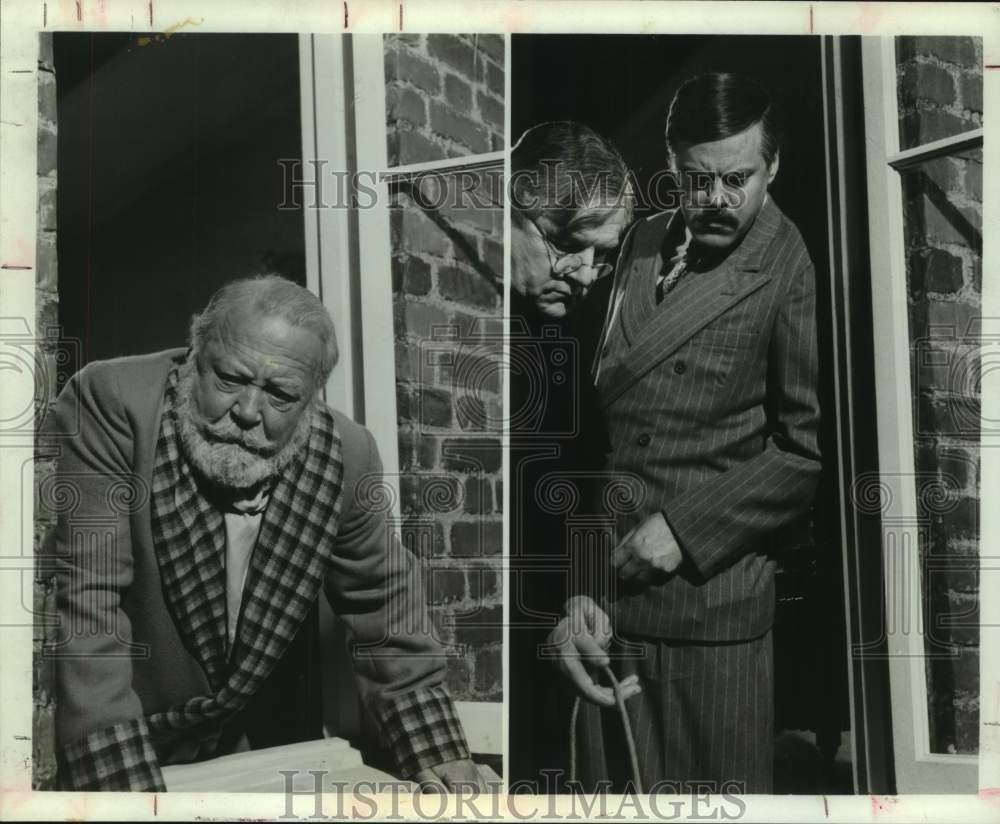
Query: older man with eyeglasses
<point x="571" y="201"/>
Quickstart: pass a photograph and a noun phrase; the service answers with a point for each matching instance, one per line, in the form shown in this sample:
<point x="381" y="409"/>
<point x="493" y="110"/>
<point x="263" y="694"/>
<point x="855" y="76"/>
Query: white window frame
<point x="341" y="244"/>
<point x="349" y="264"/>
<point x="917" y="768"/>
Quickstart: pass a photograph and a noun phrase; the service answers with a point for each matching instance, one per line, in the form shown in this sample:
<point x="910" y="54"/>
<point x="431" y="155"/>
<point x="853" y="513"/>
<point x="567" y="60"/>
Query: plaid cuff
<point x="119" y="757"/>
<point x="422" y="730"/>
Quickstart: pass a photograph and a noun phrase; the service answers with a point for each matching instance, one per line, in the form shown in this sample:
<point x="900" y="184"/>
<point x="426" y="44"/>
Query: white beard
<point x="224" y="454"/>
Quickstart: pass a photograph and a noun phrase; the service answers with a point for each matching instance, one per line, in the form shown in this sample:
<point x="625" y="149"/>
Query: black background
<point x="168" y="178"/>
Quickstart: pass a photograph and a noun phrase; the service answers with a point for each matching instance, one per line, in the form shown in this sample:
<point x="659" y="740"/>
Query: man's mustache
<point x="719" y="218"/>
<point x="228" y="432"/>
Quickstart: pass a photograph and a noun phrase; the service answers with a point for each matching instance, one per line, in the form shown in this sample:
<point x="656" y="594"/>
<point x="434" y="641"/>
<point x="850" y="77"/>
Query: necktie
<point x="669" y="280"/>
<point x="673" y="271"/>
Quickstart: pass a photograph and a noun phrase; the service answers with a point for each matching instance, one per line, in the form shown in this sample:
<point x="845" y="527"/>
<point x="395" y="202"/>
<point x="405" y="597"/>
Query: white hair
<point x="270" y="295"/>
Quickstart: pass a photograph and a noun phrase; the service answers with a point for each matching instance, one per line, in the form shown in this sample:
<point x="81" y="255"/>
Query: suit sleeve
<point x="102" y="739"/>
<point x="719" y="520"/>
<point x="375" y="586"/>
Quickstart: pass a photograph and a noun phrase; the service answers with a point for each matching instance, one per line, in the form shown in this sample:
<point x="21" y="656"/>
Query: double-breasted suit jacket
<point x="711" y="398"/>
<point x="143" y="673"/>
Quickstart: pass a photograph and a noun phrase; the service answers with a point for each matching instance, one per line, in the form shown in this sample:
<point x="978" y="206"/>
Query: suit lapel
<point x="639" y="301"/>
<point x="630" y="304"/>
<point x="700" y="297"/>
<point x="639" y="304"/>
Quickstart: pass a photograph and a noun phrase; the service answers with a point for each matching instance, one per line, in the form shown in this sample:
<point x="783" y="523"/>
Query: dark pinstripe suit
<point x="711" y="398"/>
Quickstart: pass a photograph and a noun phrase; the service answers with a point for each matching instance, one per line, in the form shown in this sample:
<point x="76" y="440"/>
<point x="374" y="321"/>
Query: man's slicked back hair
<point x="715" y="106"/>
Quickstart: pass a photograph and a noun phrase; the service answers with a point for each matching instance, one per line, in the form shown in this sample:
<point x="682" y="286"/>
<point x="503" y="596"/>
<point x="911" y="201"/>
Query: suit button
<point x="680" y="367"/>
<point x="644" y="439"/>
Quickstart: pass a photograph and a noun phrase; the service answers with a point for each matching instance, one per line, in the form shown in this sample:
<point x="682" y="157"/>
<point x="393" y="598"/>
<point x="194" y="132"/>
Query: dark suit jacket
<point x="140" y="642"/>
<point x="711" y="398"/>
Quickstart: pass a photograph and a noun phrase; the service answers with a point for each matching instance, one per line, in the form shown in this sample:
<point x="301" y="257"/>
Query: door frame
<point x="917" y="769"/>
<point x="856" y="441"/>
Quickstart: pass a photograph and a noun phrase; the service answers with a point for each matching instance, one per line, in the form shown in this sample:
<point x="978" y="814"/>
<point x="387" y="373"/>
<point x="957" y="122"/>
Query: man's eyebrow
<point x="286" y="384"/>
<point x="580" y="224"/>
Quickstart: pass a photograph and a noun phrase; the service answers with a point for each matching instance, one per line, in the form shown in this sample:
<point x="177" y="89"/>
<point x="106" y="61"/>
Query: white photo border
<point x="20" y="25"/>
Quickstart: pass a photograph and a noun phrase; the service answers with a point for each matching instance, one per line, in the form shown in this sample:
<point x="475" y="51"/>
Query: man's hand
<point x="581" y="640"/>
<point x="451" y="776"/>
<point x="648" y="553"/>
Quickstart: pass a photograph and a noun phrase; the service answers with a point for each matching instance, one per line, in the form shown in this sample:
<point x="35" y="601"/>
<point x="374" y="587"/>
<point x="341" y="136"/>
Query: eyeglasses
<point x="566" y="263"/>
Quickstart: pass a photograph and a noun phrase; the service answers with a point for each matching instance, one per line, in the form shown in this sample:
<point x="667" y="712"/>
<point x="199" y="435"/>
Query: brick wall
<point x="940" y="87"/>
<point x="444" y="99"/>
<point x="941" y="94"/>
<point x="444" y="95"/>
<point x="46" y="321"/>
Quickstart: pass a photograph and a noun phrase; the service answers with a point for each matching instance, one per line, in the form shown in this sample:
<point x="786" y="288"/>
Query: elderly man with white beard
<point x="213" y="495"/>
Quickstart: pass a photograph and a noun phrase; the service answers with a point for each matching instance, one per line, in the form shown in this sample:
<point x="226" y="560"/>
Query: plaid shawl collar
<point x="287" y="569"/>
